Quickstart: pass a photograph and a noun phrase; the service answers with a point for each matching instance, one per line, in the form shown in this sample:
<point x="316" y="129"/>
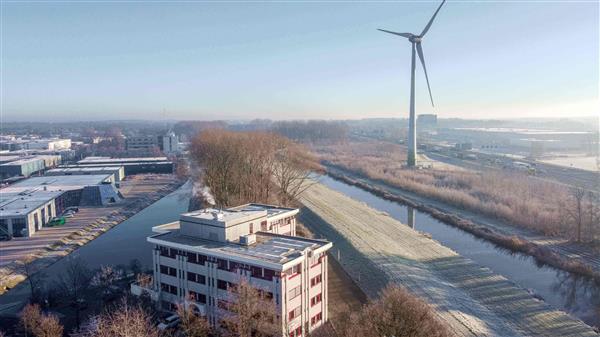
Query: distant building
<point x="207" y="252"/>
<point x="54" y="144"/>
<point x="463" y="146"/>
<point x="427" y="121"/>
<point x="131" y="165"/>
<point x="118" y="172"/>
<point x="28" y="205"/>
<point x="141" y="143"/>
<point x="170" y="143"/>
<point x="22" y="167"/>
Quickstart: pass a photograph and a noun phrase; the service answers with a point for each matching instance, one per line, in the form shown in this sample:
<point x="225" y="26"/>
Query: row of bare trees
<point x="251" y="313"/>
<point x="313" y="131"/>
<point x="581" y="211"/>
<point x="241" y="167"/>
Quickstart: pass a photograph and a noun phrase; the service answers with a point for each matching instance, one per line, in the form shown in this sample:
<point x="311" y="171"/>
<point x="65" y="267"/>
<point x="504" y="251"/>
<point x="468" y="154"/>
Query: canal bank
<point x="557" y="252"/>
<point x="119" y="245"/>
<point x="375" y="249"/>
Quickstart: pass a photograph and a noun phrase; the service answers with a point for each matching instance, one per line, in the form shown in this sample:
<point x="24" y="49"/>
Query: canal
<point x="574" y="294"/>
<point x="121" y="244"/>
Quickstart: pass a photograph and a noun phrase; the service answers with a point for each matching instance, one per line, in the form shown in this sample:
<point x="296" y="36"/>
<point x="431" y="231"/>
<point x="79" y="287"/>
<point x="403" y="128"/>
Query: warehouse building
<point x="28" y="205"/>
<point x="22" y="167"/>
<point x="118" y="172"/>
<point x="132" y="165"/>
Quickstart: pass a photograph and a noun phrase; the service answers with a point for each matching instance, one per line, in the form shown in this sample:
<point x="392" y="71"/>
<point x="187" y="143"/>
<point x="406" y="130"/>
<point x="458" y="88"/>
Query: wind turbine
<point x="416" y="45"/>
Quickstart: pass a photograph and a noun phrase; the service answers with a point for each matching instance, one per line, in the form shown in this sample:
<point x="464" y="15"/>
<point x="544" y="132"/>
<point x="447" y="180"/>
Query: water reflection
<point x="576" y="295"/>
<point x="410" y="221"/>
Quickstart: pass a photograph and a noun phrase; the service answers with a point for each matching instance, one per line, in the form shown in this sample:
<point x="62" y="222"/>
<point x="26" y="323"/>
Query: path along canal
<point x="571" y="293"/>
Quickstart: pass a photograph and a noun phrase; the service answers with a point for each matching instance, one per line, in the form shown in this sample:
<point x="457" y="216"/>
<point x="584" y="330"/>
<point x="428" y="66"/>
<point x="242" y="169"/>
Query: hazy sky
<point x="206" y="60"/>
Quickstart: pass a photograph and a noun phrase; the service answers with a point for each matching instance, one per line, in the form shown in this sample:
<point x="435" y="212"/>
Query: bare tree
<point x="251" y="312"/>
<point x="73" y="283"/>
<point x="293" y="168"/>
<point x="124" y="321"/>
<point x="575" y="210"/>
<point x="395" y="313"/>
<point x="106" y="278"/>
<point x="191" y="323"/>
<point x="34" y="278"/>
<point x="38" y="324"/>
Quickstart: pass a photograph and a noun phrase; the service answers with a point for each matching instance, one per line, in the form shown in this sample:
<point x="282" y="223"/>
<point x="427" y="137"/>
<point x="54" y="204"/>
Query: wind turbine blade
<point x="432" y="18"/>
<point x="406" y="35"/>
<point x="420" y="52"/>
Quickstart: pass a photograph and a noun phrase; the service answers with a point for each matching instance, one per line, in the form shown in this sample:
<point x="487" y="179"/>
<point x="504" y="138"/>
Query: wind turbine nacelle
<point x="415" y="39"/>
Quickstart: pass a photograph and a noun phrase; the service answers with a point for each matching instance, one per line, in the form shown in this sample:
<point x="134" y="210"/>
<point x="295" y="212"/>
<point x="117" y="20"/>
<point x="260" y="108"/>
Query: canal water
<point x="576" y="295"/>
<point x="119" y="245"/>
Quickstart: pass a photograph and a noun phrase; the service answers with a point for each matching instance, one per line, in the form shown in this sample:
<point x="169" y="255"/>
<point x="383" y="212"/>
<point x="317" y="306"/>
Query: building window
<point x="197" y="297"/>
<point x="295" y="292"/>
<point x="316" y="319"/>
<point x="295" y="313"/>
<point x="224" y="285"/>
<point x="295" y="270"/>
<point x="263" y="226"/>
<point x="316" y="300"/>
<point x="222" y="264"/>
<point x="196" y="258"/>
<point x="315" y="280"/>
<point x="168" y="270"/>
<point x="168" y="288"/>
<point x="251" y="228"/>
<point x="196" y="277"/>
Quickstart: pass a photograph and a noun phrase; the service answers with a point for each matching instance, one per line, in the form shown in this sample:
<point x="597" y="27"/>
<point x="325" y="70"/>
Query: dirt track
<point x="375" y="249"/>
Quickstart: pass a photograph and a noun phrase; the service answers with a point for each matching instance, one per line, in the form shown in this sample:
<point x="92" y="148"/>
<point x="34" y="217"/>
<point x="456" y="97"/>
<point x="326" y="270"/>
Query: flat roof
<point x="272" y="210"/>
<point x="94" y="160"/>
<point x="20" y="204"/>
<point x="84" y="169"/>
<point x="56" y="183"/>
<point x="222" y="218"/>
<point x="274" y="249"/>
<point x="22" y="161"/>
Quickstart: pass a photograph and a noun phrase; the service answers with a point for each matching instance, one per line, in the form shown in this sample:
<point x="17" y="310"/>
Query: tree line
<point x="241" y="167"/>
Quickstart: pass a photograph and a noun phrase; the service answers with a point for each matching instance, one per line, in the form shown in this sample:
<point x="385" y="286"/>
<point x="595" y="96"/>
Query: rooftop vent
<point x="217" y="215"/>
<point x="247" y="240"/>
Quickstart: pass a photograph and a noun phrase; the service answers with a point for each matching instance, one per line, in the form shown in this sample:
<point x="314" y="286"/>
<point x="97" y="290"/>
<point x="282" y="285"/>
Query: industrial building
<point x="53" y="144"/>
<point x="26" y="206"/>
<point x="25" y="166"/>
<point x="118" y="172"/>
<point x="170" y="143"/>
<point x="207" y="252"/>
<point x="22" y="167"/>
<point x="141" y="143"/>
<point x="131" y="165"/>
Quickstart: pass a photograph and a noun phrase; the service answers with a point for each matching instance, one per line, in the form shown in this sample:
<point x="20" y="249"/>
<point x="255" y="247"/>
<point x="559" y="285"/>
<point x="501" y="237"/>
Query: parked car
<point x="5" y="236"/>
<point x="169" y="322"/>
<point x="72" y="209"/>
<point x="58" y="221"/>
<point x="68" y="214"/>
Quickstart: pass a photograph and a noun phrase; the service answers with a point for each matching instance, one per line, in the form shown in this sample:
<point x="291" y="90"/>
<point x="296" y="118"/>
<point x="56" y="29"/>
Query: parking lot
<point x="52" y="243"/>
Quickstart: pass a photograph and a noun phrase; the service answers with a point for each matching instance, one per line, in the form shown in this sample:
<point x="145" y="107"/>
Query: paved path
<point x="474" y="301"/>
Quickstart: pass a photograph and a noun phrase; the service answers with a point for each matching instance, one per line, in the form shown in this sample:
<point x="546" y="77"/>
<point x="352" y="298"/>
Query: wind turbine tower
<point x="415" y="40"/>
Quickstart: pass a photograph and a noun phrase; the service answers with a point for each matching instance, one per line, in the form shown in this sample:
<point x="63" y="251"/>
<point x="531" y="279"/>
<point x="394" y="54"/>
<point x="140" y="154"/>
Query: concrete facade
<point x="206" y="252"/>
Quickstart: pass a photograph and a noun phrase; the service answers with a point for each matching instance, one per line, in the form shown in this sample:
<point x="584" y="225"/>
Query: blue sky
<point x="207" y="60"/>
